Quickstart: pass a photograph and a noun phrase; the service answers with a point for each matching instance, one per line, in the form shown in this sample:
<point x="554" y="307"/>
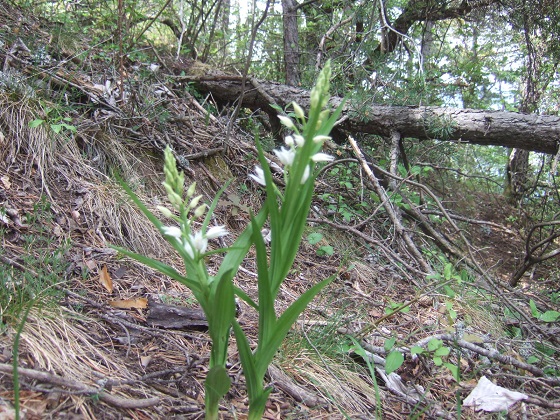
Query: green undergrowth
<point x="31" y="277"/>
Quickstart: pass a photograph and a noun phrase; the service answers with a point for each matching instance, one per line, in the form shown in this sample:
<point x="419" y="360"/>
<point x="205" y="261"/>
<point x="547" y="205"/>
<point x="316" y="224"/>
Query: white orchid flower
<point x="173" y="231"/>
<point x="199" y="242"/>
<point x="258" y="176"/>
<point x="216" y="232"/>
<point x="286" y="156"/>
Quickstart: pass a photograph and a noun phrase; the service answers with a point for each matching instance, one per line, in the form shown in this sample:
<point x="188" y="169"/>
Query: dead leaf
<point x="6" y="182"/>
<point x="57" y="231"/>
<point x="138" y="303"/>
<point x="91" y="264"/>
<point x="145" y="360"/>
<point x="105" y="279"/>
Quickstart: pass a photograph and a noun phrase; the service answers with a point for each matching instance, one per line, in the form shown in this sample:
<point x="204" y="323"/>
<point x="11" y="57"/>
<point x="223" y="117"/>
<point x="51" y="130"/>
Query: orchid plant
<point x="286" y="212"/>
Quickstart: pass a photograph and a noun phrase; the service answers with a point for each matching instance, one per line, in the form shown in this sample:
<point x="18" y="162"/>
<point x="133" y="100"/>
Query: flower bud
<point x="165" y="211"/>
<point x="289" y="140"/>
<point x="322" y="157"/>
<point x="298" y="110"/>
<point x="199" y="211"/>
<point x="194" y="202"/>
<point x="287" y="122"/>
<point x="299" y="140"/>
<point x="191" y="189"/>
<point x="321" y="139"/>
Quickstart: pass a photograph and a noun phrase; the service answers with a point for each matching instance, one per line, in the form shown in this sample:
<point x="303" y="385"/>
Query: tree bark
<point x="291" y="42"/>
<point x="539" y="133"/>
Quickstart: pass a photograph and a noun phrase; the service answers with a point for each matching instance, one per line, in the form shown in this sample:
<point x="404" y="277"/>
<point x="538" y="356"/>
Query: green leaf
<point x="277" y="108"/>
<point x="254" y="384"/>
<point x="393" y="361"/>
<point x="434" y="344"/>
<point x="285" y="322"/>
<point x="161" y="267"/>
<point x="217" y="385"/>
<point x="314" y="237"/>
<point x="220" y="313"/>
<point x="210" y="212"/>
<point x="452" y="312"/>
<point x="245" y="297"/>
<point x="550" y="316"/>
<point x="449" y="291"/>
<point x="239" y="249"/>
<point x="454" y="371"/>
<point x="389" y="344"/>
<point x="35" y="123"/>
<point x="442" y="351"/>
<point x="325" y="250"/>
<point x="534" y="311"/>
<point x="267" y="316"/>
<point x="532" y="359"/>
<point x="416" y="350"/>
<point x="438" y="361"/>
<point x="447" y="271"/>
<point x="56" y="128"/>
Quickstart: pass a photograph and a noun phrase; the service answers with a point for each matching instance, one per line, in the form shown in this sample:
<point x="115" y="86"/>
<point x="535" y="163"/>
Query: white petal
<point x="199" y="242"/>
<point x="286" y="156"/>
<point x="322" y="157"/>
<point x="172" y="231"/>
<point x="299" y="140"/>
<point x="289" y="140"/>
<point x="258" y="176"/>
<point x="189" y="249"/>
<point x="305" y="176"/>
<point x="216" y="232"/>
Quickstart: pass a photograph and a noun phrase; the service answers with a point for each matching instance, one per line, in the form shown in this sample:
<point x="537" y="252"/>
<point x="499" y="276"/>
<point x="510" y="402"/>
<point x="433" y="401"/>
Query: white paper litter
<point x="492" y="398"/>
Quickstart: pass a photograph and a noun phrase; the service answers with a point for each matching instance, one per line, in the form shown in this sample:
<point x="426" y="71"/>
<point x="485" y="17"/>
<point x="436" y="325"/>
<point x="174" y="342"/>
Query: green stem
<point x="211" y="410"/>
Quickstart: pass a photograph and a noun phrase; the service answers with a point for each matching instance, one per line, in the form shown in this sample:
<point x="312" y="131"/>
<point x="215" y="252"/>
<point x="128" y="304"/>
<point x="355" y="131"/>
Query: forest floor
<point x="102" y="336"/>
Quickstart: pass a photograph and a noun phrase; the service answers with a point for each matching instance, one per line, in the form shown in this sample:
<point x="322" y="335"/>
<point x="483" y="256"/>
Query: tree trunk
<point x="539" y="133"/>
<point x="517" y="175"/>
<point x="291" y="42"/>
<point x="518" y="164"/>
